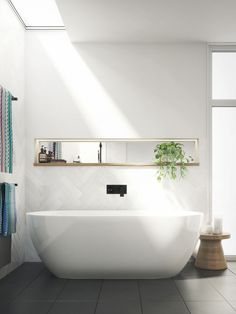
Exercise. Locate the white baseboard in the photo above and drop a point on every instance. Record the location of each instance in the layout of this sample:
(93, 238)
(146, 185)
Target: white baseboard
(230, 258)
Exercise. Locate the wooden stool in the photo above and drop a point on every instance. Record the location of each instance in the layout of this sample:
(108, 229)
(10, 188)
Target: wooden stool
(210, 254)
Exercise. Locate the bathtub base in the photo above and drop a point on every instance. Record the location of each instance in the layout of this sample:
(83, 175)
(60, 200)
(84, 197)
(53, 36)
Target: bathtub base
(114, 244)
(115, 277)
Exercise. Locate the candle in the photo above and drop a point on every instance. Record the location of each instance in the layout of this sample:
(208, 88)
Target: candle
(208, 229)
(218, 225)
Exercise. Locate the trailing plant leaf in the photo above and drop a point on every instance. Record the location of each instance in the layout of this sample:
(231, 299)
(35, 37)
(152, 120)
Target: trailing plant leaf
(171, 160)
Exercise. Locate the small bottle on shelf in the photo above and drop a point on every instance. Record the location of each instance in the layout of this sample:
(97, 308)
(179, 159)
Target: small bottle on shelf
(43, 155)
(50, 156)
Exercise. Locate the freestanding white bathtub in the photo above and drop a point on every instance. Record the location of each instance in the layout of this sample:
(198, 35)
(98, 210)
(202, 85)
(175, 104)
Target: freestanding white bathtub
(114, 243)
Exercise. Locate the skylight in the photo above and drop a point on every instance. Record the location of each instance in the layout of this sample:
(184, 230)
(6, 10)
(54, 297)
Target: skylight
(38, 13)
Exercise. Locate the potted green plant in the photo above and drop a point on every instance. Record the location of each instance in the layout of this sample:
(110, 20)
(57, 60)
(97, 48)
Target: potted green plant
(171, 160)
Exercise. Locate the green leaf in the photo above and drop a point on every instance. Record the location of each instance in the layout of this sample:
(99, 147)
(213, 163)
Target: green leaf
(171, 160)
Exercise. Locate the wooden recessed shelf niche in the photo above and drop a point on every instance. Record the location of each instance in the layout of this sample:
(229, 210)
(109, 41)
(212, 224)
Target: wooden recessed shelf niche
(108, 152)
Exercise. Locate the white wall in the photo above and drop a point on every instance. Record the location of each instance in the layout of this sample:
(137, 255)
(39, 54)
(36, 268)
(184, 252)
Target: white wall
(113, 90)
(12, 37)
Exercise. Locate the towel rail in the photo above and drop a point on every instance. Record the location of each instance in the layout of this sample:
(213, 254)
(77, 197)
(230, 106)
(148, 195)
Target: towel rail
(14, 98)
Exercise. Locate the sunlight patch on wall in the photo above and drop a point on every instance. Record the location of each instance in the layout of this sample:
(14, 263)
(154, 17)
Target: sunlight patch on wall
(98, 109)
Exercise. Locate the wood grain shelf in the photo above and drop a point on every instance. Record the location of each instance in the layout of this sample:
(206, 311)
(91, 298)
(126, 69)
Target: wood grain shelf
(62, 164)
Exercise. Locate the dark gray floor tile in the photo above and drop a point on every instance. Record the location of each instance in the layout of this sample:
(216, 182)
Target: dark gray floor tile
(120, 282)
(190, 271)
(197, 290)
(219, 282)
(217, 273)
(228, 291)
(27, 307)
(119, 297)
(119, 307)
(119, 290)
(24, 273)
(35, 290)
(45, 287)
(232, 265)
(81, 290)
(159, 290)
(10, 291)
(210, 307)
(73, 307)
(164, 307)
(14, 283)
(3, 305)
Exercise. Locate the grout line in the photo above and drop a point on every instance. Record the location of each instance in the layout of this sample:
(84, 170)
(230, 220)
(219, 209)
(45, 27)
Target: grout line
(181, 296)
(233, 271)
(220, 293)
(62, 289)
(99, 295)
(140, 296)
(25, 287)
(56, 298)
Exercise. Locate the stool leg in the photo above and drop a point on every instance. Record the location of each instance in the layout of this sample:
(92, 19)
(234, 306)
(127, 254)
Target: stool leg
(211, 256)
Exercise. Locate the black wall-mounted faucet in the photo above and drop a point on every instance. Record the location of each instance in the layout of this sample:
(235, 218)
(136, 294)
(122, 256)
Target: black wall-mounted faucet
(117, 189)
(100, 153)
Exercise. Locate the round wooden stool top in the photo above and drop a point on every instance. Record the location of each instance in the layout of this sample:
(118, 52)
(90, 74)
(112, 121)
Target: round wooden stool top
(210, 254)
(214, 237)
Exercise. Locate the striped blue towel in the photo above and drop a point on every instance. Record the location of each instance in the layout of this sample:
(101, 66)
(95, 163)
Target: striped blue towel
(6, 136)
(8, 209)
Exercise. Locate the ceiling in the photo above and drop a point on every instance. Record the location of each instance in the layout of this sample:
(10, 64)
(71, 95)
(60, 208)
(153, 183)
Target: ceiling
(149, 20)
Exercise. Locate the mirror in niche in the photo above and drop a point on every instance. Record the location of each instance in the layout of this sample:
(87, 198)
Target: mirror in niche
(104, 152)
(71, 152)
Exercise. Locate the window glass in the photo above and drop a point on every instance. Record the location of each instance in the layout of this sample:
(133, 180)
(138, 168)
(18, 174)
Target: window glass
(224, 75)
(38, 13)
(224, 171)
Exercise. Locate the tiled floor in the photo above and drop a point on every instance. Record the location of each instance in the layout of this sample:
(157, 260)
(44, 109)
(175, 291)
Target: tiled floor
(31, 289)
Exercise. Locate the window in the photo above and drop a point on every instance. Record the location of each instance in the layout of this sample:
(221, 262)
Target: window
(223, 103)
(224, 171)
(35, 13)
(224, 75)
